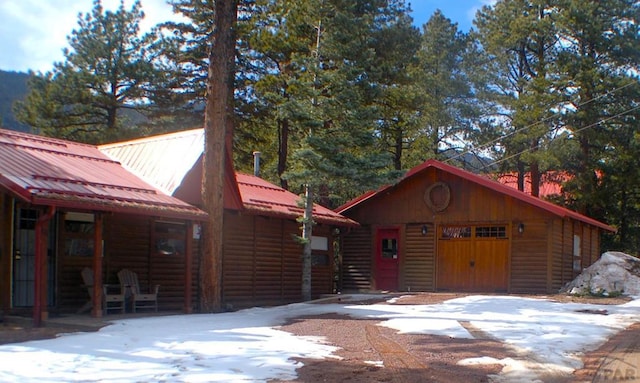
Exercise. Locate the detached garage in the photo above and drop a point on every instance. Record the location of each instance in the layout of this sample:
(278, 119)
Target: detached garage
(441, 228)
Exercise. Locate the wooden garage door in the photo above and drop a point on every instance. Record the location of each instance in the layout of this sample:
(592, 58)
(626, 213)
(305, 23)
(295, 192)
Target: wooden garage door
(473, 258)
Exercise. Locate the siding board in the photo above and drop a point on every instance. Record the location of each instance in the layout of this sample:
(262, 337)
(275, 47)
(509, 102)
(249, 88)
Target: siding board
(529, 259)
(419, 265)
(356, 258)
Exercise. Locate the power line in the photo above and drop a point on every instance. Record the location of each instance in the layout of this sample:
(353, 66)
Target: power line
(488, 144)
(576, 131)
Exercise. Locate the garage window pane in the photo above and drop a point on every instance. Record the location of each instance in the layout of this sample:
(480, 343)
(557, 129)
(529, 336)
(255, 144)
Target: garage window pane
(456, 232)
(491, 232)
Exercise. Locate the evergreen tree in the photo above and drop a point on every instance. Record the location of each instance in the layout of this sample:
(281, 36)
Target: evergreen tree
(397, 92)
(599, 65)
(446, 107)
(341, 154)
(104, 87)
(521, 43)
(277, 88)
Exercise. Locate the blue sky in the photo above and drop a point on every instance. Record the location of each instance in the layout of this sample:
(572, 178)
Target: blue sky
(33, 32)
(459, 11)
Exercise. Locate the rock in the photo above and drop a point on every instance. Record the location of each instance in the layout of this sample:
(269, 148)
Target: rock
(613, 274)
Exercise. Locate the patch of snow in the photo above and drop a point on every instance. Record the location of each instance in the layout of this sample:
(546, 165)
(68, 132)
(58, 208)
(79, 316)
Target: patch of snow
(613, 273)
(375, 363)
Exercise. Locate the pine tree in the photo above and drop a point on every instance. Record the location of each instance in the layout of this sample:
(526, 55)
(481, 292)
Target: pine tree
(397, 94)
(599, 65)
(101, 91)
(342, 155)
(446, 105)
(520, 40)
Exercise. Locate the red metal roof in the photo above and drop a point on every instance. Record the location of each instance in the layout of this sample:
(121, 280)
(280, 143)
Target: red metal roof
(551, 182)
(53, 172)
(483, 181)
(262, 196)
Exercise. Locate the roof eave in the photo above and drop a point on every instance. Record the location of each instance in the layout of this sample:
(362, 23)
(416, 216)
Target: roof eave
(342, 222)
(485, 182)
(15, 189)
(186, 213)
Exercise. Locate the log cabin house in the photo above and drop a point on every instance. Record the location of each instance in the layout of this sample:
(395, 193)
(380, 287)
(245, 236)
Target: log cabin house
(65, 206)
(262, 263)
(441, 228)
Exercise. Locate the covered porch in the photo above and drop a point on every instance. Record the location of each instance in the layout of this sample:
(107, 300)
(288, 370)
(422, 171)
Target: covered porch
(66, 206)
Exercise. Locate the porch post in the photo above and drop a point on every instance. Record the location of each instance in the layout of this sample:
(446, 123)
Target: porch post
(96, 310)
(188, 268)
(40, 292)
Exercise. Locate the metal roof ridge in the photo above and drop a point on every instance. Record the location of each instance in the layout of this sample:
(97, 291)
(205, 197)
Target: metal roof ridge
(274, 187)
(91, 183)
(159, 137)
(57, 152)
(41, 139)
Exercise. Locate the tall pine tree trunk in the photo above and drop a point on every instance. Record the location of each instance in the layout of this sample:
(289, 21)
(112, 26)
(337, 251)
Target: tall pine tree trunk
(283, 150)
(218, 126)
(534, 168)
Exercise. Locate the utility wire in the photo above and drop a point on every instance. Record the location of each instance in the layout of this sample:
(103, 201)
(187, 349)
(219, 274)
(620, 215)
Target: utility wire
(576, 131)
(488, 144)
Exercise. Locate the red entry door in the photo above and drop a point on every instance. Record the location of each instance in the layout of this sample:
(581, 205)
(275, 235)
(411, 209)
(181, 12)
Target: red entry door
(387, 258)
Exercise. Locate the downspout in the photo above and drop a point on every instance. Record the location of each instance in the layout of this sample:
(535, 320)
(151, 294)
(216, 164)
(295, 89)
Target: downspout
(40, 267)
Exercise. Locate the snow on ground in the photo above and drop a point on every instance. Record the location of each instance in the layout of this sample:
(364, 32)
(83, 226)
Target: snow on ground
(247, 346)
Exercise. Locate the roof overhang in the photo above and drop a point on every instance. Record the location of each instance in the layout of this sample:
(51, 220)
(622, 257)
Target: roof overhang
(103, 203)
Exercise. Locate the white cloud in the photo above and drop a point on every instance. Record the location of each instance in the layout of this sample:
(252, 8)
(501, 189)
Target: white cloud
(35, 31)
(471, 13)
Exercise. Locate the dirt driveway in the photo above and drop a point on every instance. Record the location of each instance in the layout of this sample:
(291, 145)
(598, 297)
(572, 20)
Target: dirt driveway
(365, 346)
(412, 358)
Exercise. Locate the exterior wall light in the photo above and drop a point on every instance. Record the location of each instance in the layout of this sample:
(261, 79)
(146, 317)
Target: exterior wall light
(521, 228)
(424, 230)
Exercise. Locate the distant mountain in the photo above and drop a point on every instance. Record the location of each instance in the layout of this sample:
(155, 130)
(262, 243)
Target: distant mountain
(13, 87)
(470, 161)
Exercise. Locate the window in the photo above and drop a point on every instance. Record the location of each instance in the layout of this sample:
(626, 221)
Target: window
(577, 253)
(170, 238)
(456, 232)
(27, 220)
(319, 243)
(491, 232)
(78, 234)
(389, 248)
(319, 259)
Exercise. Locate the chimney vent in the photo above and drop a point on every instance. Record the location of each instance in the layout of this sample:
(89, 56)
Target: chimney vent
(256, 164)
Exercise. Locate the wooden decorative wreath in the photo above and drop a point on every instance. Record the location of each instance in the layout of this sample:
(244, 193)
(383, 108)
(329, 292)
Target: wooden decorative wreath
(437, 196)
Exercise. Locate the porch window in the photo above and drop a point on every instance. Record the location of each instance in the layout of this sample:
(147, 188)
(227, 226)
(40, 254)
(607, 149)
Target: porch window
(170, 238)
(78, 234)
